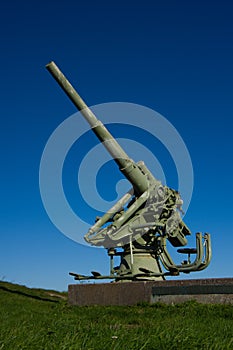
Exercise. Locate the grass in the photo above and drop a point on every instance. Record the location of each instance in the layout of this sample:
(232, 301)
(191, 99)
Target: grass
(40, 319)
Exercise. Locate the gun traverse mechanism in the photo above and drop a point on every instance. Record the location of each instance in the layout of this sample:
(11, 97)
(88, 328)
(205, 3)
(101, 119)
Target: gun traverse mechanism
(138, 226)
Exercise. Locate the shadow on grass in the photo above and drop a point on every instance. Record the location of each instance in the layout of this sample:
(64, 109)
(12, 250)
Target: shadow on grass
(19, 292)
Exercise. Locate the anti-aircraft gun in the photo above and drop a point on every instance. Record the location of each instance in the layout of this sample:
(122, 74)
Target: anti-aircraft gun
(137, 227)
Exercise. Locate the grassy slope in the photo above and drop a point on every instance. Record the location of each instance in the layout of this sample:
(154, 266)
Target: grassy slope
(39, 319)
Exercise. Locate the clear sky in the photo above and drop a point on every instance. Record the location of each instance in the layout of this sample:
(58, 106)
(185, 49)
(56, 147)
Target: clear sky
(174, 57)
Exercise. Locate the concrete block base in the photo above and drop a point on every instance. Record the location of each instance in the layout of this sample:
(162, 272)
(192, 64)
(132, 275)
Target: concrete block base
(215, 290)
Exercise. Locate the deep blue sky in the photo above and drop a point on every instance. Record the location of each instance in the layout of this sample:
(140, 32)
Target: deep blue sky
(172, 56)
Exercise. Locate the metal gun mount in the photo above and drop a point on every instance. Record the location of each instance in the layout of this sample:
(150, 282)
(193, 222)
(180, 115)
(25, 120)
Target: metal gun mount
(137, 227)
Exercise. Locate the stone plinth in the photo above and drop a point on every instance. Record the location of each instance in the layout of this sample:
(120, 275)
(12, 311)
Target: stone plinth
(215, 290)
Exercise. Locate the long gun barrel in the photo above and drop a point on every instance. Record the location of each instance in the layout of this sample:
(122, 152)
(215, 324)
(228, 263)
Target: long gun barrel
(127, 166)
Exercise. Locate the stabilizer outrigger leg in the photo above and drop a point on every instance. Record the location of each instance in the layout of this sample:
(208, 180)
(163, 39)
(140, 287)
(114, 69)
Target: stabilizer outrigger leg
(201, 261)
